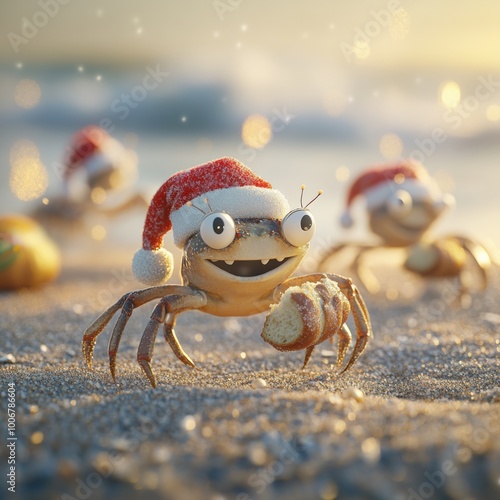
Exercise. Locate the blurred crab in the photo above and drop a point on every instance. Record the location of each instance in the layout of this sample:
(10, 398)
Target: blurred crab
(96, 169)
(403, 203)
(241, 244)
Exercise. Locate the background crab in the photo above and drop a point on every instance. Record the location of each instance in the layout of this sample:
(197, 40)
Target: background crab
(241, 244)
(403, 203)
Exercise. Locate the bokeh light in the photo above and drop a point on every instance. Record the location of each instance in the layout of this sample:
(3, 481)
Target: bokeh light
(37, 437)
(98, 195)
(28, 176)
(342, 173)
(27, 94)
(450, 94)
(493, 112)
(23, 149)
(361, 49)
(392, 294)
(256, 131)
(399, 178)
(399, 25)
(98, 232)
(391, 146)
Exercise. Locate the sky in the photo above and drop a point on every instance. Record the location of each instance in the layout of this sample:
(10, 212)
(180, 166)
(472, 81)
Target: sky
(391, 57)
(457, 34)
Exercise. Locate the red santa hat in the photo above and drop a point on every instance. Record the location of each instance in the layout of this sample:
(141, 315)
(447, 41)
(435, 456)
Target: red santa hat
(94, 150)
(84, 144)
(223, 185)
(379, 183)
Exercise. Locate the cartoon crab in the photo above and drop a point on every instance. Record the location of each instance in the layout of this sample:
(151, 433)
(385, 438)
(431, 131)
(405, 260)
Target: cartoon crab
(241, 243)
(403, 202)
(101, 169)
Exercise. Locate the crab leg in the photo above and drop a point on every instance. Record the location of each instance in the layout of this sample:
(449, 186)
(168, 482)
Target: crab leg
(309, 351)
(168, 307)
(331, 253)
(92, 332)
(127, 303)
(345, 338)
(173, 342)
(362, 273)
(360, 315)
(479, 256)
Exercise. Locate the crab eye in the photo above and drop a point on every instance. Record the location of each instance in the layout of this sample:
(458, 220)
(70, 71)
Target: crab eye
(298, 227)
(217, 230)
(400, 203)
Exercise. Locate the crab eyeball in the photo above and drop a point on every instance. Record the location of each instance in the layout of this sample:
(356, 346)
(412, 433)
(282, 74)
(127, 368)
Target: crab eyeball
(217, 230)
(400, 203)
(298, 227)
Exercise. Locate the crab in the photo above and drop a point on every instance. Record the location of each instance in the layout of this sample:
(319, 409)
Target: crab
(98, 172)
(231, 266)
(403, 203)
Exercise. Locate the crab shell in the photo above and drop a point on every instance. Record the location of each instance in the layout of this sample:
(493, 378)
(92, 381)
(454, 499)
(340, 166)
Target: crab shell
(305, 316)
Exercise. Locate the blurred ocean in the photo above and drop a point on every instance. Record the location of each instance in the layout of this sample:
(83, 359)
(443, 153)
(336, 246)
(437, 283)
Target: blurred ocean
(470, 170)
(187, 122)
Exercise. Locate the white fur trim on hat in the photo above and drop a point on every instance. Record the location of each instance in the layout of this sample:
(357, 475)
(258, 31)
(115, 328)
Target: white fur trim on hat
(152, 267)
(239, 202)
(378, 195)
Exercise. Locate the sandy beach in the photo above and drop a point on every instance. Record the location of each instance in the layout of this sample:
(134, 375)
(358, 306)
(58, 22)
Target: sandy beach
(321, 97)
(417, 417)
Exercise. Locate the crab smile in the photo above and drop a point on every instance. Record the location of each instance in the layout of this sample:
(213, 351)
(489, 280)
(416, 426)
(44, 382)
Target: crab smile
(412, 228)
(248, 268)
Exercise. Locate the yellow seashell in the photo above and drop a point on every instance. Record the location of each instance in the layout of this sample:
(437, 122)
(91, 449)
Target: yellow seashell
(28, 257)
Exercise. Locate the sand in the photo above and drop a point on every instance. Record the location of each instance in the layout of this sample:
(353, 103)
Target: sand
(417, 417)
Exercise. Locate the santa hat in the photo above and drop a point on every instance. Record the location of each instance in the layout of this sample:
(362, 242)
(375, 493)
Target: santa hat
(84, 144)
(223, 185)
(94, 150)
(379, 183)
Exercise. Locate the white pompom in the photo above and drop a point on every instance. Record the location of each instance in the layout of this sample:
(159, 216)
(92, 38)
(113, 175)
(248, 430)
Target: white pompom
(346, 219)
(152, 267)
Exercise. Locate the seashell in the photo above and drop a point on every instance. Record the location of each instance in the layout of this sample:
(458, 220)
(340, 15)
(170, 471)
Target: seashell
(28, 257)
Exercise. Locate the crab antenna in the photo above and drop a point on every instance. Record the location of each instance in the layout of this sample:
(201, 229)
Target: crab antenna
(302, 195)
(207, 202)
(191, 204)
(320, 192)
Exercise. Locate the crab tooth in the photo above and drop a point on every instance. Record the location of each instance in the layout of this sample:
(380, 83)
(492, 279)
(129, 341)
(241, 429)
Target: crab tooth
(280, 259)
(229, 262)
(264, 261)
